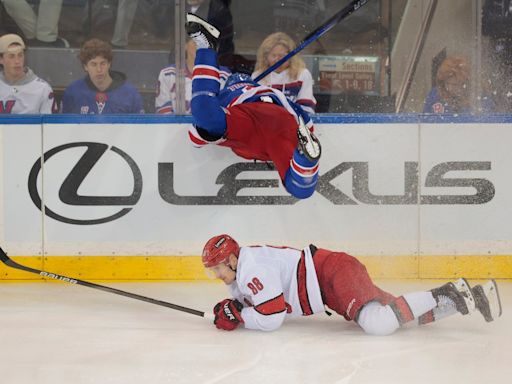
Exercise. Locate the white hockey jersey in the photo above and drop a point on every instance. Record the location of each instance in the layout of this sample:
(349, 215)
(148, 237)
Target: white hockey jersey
(274, 283)
(299, 90)
(30, 95)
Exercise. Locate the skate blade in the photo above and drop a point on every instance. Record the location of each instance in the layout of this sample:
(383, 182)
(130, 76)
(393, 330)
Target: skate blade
(191, 18)
(493, 296)
(311, 147)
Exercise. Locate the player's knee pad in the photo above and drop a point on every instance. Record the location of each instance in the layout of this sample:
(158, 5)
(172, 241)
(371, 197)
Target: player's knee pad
(302, 176)
(377, 319)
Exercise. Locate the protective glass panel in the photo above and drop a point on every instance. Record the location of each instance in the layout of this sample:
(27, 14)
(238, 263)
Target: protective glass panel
(384, 57)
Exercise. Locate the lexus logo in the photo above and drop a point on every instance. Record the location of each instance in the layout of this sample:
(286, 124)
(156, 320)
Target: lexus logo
(68, 192)
(63, 185)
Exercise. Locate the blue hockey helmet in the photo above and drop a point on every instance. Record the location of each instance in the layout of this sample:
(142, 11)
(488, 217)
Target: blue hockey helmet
(236, 78)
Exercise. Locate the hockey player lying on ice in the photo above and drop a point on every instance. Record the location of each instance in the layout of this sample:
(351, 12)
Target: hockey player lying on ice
(269, 284)
(255, 121)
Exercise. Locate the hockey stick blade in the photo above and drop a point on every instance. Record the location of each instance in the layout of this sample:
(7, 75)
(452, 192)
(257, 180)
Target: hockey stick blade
(11, 263)
(315, 35)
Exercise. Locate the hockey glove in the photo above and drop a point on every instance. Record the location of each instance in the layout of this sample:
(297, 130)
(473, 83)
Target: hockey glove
(227, 314)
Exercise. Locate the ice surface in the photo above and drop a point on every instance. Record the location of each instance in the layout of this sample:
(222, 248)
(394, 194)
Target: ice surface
(60, 333)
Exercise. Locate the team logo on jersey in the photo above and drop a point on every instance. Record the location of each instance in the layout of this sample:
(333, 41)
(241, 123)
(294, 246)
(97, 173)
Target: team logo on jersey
(7, 106)
(101, 101)
(438, 108)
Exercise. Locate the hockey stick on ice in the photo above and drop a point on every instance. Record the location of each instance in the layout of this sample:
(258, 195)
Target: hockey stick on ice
(11, 263)
(316, 34)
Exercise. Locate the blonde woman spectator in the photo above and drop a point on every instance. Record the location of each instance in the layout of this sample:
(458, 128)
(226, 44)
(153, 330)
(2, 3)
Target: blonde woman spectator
(292, 77)
(21, 91)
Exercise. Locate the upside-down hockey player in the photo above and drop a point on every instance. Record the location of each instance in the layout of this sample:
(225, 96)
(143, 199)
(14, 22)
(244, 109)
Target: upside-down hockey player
(255, 121)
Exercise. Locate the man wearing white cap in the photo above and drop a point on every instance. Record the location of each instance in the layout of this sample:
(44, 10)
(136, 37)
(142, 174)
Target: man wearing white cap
(21, 91)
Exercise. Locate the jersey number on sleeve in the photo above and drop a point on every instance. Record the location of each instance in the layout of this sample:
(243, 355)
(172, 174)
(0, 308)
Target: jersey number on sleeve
(255, 286)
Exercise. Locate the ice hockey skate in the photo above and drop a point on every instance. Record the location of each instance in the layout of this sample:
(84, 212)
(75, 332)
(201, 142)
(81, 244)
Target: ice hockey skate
(487, 300)
(203, 33)
(308, 143)
(459, 293)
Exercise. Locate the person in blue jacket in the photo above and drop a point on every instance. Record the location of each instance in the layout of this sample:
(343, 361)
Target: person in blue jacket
(102, 91)
(452, 91)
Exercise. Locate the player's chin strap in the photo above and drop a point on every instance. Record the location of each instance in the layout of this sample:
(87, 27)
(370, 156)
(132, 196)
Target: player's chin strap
(230, 267)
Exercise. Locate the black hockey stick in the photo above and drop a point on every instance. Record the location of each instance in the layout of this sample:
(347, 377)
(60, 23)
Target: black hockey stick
(316, 34)
(11, 263)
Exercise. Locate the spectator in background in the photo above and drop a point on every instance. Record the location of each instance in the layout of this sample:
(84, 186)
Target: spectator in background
(124, 20)
(21, 91)
(165, 102)
(40, 29)
(105, 11)
(452, 91)
(298, 17)
(292, 78)
(217, 13)
(102, 91)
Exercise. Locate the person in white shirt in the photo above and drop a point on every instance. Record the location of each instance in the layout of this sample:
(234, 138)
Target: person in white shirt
(292, 77)
(269, 284)
(21, 91)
